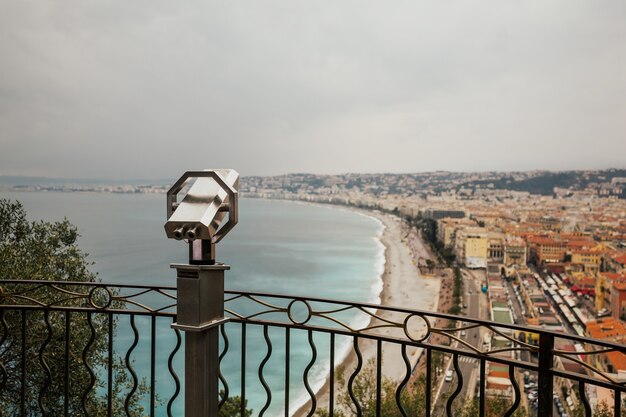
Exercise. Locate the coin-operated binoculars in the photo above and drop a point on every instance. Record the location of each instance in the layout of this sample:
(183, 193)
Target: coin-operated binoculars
(198, 217)
(207, 212)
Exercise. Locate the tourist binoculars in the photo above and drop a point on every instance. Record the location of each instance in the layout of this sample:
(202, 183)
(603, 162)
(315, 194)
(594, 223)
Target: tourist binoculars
(207, 212)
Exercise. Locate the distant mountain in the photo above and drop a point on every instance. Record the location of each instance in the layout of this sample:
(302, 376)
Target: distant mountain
(544, 182)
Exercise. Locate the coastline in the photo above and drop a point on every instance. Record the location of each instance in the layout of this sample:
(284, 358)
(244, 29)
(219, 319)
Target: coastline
(402, 286)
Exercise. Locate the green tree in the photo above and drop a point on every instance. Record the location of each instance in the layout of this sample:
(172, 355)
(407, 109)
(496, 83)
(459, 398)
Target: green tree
(412, 398)
(48, 251)
(494, 407)
(602, 409)
(232, 407)
(430, 264)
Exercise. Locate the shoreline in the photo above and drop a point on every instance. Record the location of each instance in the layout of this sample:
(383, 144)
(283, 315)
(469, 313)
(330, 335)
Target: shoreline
(402, 286)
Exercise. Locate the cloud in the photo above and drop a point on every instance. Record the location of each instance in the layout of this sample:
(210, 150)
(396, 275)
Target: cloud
(149, 89)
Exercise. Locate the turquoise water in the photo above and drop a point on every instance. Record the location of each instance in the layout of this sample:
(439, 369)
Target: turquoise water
(277, 247)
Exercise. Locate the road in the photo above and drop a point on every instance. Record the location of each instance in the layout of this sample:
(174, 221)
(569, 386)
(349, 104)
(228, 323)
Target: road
(520, 318)
(468, 366)
(476, 308)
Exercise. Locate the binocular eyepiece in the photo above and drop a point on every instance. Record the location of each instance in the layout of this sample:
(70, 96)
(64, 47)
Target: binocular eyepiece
(190, 233)
(199, 217)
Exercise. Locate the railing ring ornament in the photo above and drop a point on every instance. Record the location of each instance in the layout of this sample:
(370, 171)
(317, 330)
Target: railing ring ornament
(405, 327)
(291, 312)
(97, 292)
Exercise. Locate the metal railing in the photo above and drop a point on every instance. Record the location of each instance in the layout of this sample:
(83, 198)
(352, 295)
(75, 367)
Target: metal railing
(69, 348)
(94, 349)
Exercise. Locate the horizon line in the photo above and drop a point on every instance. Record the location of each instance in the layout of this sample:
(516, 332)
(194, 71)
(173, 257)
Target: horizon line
(5, 176)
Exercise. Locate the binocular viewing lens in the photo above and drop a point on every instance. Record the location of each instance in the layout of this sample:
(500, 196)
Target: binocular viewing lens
(182, 232)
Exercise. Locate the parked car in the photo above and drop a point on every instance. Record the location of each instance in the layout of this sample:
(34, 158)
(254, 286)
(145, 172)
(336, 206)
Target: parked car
(530, 386)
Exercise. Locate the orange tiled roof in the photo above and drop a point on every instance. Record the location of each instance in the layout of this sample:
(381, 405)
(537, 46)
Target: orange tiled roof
(619, 285)
(545, 241)
(498, 374)
(500, 387)
(620, 259)
(581, 243)
(608, 328)
(612, 275)
(618, 360)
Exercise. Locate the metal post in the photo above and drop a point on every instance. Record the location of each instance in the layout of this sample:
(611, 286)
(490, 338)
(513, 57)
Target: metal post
(546, 384)
(200, 311)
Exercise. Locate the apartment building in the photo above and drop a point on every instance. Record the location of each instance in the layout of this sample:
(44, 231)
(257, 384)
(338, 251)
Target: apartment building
(447, 228)
(515, 252)
(610, 329)
(547, 249)
(471, 246)
(589, 260)
(495, 248)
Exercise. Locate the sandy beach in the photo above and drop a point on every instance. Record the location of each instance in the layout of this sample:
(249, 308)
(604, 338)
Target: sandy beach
(403, 286)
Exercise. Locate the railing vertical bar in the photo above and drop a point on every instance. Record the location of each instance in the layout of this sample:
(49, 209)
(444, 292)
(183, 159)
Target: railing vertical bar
(44, 364)
(129, 366)
(405, 380)
(331, 394)
(287, 370)
(546, 384)
(3, 371)
(583, 398)
(617, 407)
(66, 382)
(242, 408)
(518, 395)
(359, 364)
(170, 366)
(221, 375)
(110, 368)
(85, 359)
(305, 377)
(268, 355)
(379, 365)
(481, 387)
(23, 367)
(459, 385)
(429, 363)
(152, 365)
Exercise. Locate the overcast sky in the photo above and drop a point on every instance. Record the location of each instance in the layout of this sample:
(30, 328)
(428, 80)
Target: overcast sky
(149, 89)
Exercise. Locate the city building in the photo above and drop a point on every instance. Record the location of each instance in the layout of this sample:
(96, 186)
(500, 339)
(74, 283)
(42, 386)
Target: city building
(495, 248)
(617, 294)
(440, 214)
(547, 249)
(589, 260)
(610, 329)
(515, 252)
(471, 246)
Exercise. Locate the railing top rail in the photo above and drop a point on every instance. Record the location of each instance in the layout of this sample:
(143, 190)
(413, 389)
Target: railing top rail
(86, 284)
(88, 296)
(587, 340)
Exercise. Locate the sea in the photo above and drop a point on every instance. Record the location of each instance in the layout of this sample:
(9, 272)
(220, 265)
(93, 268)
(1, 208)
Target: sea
(277, 247)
